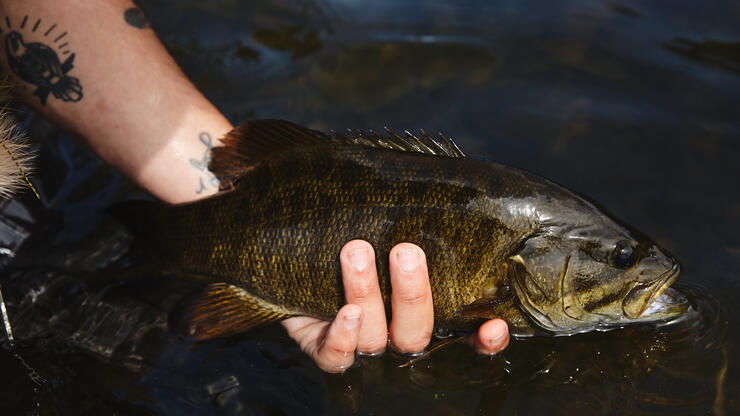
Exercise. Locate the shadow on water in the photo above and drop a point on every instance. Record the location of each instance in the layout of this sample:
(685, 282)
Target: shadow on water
(617, 100)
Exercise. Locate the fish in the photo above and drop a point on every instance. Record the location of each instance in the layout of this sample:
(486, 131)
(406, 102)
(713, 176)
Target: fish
(500, 242)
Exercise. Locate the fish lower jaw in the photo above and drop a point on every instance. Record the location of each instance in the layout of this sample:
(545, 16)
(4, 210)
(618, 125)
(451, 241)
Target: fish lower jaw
(669, 307)
(668, 303)
(659, 299)
(641, 297)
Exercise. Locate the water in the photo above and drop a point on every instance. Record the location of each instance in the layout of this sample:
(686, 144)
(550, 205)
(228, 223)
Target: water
(636, 104)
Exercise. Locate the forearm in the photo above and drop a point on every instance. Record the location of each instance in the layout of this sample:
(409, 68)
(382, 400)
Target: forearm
(107, 79)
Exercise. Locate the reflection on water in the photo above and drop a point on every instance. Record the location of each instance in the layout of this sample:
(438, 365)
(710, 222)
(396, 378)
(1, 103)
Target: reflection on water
(121, 323)
(681, 368)
(294, 39)
(634, 104)
(725, 55)
(624, 10)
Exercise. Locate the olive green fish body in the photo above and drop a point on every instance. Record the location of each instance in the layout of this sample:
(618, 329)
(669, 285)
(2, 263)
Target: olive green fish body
(500, 242)
(279, 233)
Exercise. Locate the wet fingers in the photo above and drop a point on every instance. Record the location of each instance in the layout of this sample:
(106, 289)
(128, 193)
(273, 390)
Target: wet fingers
(492, 337)
(337, 351)
(411, 299)
(360, 280)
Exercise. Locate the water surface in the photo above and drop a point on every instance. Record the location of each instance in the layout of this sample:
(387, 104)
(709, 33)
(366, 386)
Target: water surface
(635, 104)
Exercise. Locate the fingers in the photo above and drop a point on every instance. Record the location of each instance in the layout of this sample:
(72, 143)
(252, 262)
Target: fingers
(360, 279)
(331, 346)
(492, 337)
(361, 324)
(411, 299)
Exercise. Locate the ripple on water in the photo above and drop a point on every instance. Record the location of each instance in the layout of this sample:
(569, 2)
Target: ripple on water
(679, 368)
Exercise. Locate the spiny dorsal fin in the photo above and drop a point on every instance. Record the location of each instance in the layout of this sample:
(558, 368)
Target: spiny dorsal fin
(409, 143)
(245, 146)
(223, 309)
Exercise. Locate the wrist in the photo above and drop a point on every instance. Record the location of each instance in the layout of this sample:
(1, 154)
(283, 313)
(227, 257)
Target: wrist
(176, 171)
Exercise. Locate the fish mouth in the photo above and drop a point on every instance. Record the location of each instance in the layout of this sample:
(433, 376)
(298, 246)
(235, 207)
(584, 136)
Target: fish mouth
(661, 302)
(670, 303)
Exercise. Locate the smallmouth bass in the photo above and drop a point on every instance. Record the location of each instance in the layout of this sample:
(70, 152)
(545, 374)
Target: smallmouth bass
(500, 242)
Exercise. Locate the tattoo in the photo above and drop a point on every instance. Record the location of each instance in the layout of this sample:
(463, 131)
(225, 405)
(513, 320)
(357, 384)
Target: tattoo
(135, 17)
(39, 64)
(210, 181)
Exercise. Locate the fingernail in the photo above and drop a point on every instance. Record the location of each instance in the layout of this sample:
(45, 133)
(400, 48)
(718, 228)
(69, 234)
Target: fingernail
(408, 259)
(351, 320)
(359, 259)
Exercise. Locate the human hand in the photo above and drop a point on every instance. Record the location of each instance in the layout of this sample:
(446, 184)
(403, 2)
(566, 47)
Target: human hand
(361, 324)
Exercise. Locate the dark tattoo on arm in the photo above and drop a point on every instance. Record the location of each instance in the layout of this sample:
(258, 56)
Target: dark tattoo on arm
(207, 179)
(135, 17)
(39, 64)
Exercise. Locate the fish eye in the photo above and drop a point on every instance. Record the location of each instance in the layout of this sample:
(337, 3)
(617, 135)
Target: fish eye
(623, 255)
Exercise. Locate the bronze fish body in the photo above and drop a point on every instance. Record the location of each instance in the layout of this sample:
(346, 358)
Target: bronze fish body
(499, 241)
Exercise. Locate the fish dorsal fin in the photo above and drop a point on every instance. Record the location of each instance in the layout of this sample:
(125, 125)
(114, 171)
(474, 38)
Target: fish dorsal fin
(246, 145)
(409, 142)
(249, 143)
(222, 309)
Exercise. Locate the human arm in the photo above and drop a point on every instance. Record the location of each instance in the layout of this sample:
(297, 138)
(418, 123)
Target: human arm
(107, 79)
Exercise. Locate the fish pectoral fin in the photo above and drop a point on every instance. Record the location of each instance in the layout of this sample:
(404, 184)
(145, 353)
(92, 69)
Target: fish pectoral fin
(221, 310)
(503, 305)
(481, 308)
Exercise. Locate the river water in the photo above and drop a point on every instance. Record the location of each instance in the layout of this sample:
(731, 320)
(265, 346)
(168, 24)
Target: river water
(635, 104)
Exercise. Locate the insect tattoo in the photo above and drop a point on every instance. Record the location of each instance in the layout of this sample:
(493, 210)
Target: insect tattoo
(39, 61)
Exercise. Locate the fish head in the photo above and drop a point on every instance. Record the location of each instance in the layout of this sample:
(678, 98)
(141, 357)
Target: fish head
(572, 279)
